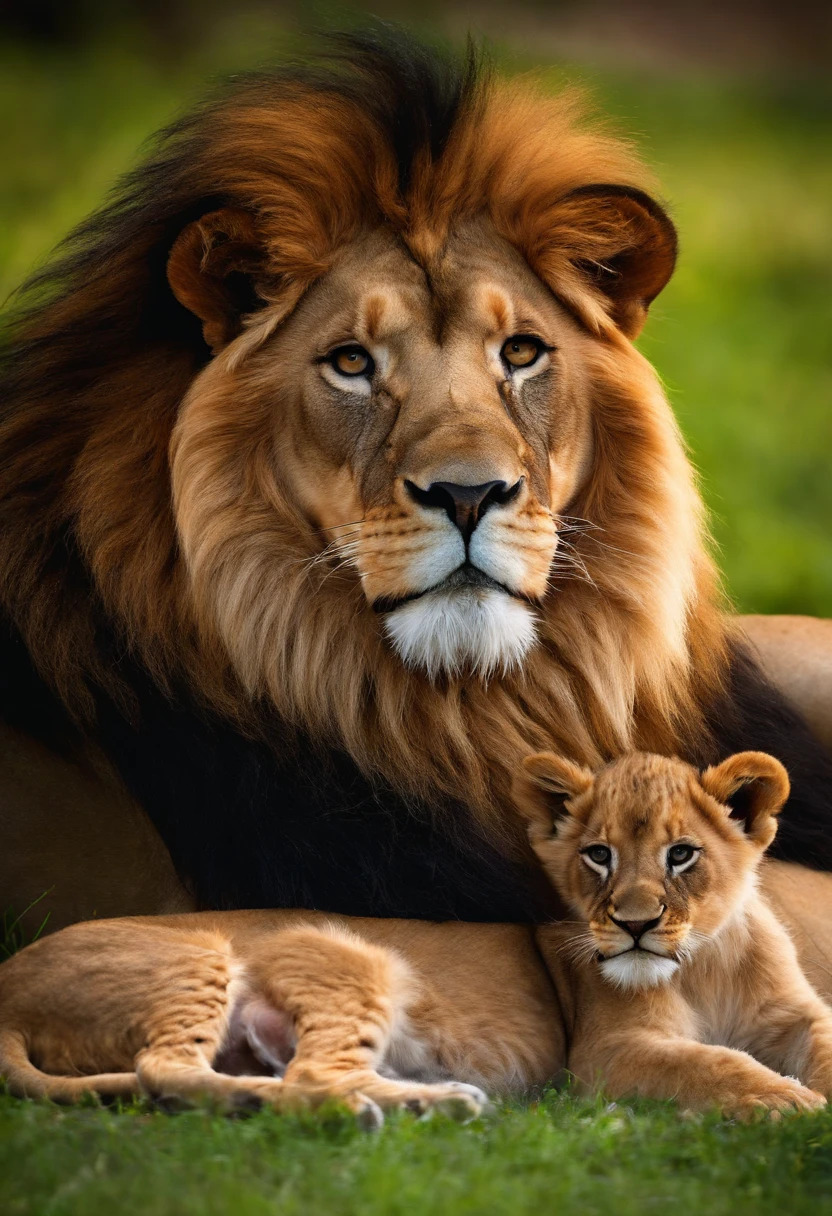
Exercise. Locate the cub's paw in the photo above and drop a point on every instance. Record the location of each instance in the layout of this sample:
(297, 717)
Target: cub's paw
(789, 1097)
(455, 1099)
(368, 1114)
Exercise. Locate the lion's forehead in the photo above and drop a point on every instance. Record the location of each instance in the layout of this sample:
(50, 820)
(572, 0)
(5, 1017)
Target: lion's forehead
(379, 288)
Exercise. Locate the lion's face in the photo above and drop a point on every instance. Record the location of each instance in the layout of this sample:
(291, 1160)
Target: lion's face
(421, 363)
(653, 856)
(432, 425)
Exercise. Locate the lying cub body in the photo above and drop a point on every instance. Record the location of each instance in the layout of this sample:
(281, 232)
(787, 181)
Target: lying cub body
(281, 1007)
(677, 981)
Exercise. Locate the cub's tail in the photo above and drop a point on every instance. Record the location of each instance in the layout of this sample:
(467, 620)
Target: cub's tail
(27, 1081)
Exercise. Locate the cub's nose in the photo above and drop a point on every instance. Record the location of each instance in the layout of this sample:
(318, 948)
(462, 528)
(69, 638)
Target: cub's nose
(464, 505)
(637, 928)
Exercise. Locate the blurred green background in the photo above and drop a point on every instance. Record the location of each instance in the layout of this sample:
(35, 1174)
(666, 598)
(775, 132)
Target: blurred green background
(732, 104)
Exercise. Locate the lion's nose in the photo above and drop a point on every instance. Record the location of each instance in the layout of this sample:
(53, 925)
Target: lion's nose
(464, 505)
(637, 928)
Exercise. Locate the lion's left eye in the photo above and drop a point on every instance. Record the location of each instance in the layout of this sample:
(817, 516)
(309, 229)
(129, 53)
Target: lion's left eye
(351, 361)
(680, 854)
(521, 351)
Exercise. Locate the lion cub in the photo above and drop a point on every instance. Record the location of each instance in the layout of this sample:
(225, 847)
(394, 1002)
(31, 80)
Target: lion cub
(677, 980)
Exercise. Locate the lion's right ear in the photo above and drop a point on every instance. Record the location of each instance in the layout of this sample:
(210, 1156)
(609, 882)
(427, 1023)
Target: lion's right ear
(213, 269)
(542, 788)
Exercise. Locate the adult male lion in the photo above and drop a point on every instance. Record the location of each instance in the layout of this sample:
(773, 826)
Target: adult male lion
(332, 484)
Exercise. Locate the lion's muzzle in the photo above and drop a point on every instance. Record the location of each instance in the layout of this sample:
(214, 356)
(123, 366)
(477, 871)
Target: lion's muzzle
(457, 571)
(465, 505)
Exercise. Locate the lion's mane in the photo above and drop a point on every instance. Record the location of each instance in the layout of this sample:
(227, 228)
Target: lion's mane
(634, 646)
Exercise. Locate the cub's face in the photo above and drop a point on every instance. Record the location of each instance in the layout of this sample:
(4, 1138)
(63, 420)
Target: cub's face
(656, 858)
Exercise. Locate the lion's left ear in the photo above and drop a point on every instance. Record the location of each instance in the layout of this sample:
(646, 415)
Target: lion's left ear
(621, 246)
(213, 270)
(754, 787)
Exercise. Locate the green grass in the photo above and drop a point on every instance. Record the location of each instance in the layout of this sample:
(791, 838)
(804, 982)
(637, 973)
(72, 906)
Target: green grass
(556, 1155)
(742, 339)
(13, 932)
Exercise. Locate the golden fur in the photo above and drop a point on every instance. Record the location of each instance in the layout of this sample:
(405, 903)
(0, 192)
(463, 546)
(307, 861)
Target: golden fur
(255, 583)
(58, 820)
(676, 980)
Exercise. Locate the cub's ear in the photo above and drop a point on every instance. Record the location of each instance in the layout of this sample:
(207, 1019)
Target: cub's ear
(621, 248)
(542, 788)
(754, 787)
(213, 269)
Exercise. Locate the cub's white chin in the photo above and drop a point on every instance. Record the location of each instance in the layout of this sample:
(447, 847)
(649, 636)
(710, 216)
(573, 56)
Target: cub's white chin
(635, 969)
(475, 629)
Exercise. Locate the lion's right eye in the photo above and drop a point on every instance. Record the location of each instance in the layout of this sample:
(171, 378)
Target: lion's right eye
(351, 361)
(598, 855)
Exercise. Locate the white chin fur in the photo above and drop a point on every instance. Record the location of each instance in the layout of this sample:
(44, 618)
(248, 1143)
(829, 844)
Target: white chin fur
(635, 969)
(475, 629)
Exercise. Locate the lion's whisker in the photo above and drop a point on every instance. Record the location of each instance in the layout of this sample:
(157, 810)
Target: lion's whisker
(334, 547)
(566, 564)
(355, 523)
(586, 526)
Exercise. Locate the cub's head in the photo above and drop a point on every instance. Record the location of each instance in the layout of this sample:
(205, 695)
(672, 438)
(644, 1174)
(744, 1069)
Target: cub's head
(655, 856)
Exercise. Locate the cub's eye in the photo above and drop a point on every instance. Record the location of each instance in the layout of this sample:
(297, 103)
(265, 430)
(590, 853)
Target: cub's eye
(351, 361)
(680, 854)
(598, 854)
(521, 351)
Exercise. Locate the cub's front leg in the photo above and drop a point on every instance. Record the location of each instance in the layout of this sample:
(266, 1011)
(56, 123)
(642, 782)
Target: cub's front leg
(696, 1075)
(804, 1048)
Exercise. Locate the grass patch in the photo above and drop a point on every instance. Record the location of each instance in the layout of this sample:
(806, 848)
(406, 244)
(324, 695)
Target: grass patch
(558, 1154)
(13, 935)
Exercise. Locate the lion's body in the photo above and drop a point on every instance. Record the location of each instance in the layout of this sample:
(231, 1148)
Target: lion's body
(676, 978)
(236, 598)
(796, 654)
